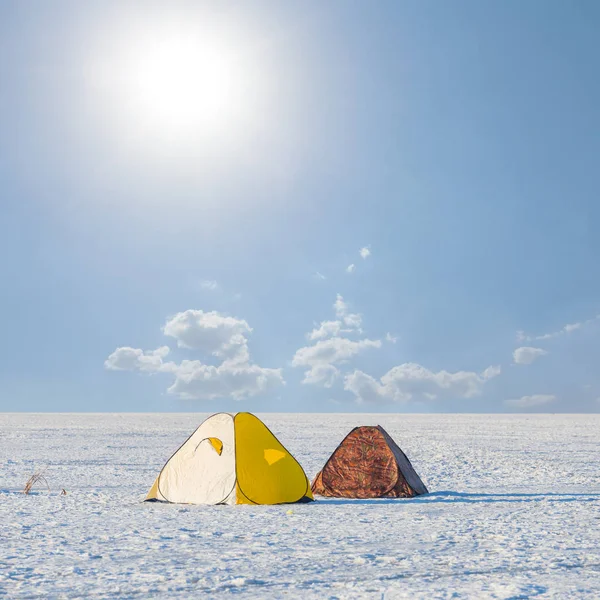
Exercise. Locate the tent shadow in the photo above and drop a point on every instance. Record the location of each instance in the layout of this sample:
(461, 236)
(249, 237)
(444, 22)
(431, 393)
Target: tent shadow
(449, 497)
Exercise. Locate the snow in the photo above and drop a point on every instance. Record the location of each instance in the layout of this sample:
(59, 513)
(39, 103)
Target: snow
(514, 513)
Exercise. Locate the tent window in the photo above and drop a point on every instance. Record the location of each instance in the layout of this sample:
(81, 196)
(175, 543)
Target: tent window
(272, 455)
(217, 444)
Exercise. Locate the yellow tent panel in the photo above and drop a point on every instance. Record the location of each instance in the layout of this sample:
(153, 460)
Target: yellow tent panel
(266, 472)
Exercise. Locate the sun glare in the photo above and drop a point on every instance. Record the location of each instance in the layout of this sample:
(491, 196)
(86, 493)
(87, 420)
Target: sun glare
(177, 83)
(180, 84)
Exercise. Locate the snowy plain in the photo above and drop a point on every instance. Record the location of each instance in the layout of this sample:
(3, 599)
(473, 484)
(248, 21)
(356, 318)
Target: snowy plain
(514, 512)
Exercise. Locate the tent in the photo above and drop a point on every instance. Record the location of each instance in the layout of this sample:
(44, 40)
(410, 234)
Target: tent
(231, 460)
(368, 464)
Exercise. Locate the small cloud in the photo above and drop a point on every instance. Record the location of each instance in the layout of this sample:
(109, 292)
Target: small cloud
(210, 285)
(525, 355)
(491, 372)
(340, 306)
(530, 401)
(365, 252)
(320, 276)
(350, 268)
(132, 359)
(326, 329)
(566, 330)
(352, 320)
(390, 338)
(211, 332)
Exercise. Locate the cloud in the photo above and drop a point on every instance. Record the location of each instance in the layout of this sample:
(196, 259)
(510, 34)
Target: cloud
(491, 372)
(330, 347)
(365, 252)
(324, 375)
(332, 351)
(346, 323)
(326, 329)
(209, 285)
(130, 359)
(350, 268)
(320, 276)
(530, 401)
(567, 329)
(411, 381)
(390, 338)
(525, 355)
(340, 307)
(352, 320)
(210, 333)
(197, 381)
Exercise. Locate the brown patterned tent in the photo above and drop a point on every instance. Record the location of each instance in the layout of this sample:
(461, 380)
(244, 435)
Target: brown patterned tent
(368, 464)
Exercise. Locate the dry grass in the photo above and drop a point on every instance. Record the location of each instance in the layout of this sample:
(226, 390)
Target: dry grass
(36, 478)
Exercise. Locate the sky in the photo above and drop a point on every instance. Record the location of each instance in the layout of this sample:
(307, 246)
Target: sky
(300, 206)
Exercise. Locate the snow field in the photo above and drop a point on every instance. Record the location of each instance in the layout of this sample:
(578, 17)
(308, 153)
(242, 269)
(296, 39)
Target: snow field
(514, 513)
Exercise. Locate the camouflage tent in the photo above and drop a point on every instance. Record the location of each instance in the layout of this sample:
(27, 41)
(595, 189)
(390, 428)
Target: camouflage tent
(368, 464)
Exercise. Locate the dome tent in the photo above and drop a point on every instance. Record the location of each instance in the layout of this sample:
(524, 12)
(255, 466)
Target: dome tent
(368, 464)
(231, 459)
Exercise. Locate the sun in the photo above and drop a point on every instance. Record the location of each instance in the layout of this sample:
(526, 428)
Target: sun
(182, 83)
(177, 82)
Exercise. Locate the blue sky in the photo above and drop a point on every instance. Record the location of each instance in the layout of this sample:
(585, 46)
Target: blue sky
(178, 218)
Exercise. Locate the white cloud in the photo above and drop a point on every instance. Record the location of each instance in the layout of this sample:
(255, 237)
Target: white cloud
(208, 332)
(365, 252)
(350, 268)
(352, 320)
(130, 359)
(322, 356)
(209, 285)
(525, 355)
(330, 347)
(412, 381)
(347, 322)
(326, 329)
(331, 351)
(390, 338)
(211, 333)
(530, 401)
(340, 307)
(491, 372)
(567, 329)
(324, 375)
(320, 276)
(197, 381)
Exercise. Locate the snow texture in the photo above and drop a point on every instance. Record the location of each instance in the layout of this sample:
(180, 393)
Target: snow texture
(514, 513)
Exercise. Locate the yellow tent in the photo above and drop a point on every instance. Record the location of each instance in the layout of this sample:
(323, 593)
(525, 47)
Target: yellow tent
(231, 460)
